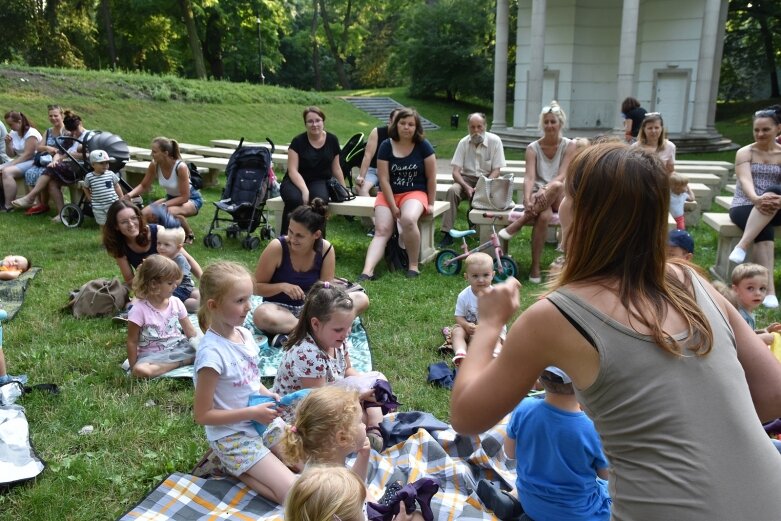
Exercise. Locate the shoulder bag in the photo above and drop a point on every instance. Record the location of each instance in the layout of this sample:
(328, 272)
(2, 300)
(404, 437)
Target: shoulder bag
(494, 194)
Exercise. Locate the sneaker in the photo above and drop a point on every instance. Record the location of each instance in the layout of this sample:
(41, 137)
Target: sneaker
(278, 340)
(504, 234)
(446, 241)
(370, 233)
(120, 318)
(364, 277)
(738, 255)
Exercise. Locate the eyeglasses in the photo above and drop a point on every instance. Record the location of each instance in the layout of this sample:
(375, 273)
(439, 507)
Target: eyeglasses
(547, 109)
(313, 121)
(765, 113)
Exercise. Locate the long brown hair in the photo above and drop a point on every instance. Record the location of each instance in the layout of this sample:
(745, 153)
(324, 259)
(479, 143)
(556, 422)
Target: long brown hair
(405, 112)
(650, 117)
(322, 300)
(620, 201)
(113, 239)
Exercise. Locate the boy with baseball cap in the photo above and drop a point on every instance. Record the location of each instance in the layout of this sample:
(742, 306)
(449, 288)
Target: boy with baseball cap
(680, 245)
(101, 185)
(561, 469)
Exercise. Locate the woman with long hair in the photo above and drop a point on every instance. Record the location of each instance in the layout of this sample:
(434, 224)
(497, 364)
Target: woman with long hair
(674, 379)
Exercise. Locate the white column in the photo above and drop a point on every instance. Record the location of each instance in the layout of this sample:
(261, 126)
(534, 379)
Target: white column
(536, 63)
(705, 64)
(500, 65)
(625, 83)
(714, 93)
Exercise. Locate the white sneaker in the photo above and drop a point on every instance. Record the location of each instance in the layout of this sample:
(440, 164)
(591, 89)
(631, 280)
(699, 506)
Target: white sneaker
(738, 255)
(504, 234)
(770, 301)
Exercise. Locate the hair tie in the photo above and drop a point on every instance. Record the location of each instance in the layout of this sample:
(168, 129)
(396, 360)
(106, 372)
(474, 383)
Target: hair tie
(327, 285)
(293, 429)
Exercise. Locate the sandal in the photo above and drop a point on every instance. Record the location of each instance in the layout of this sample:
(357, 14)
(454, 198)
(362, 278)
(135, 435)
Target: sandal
(458, 359)
(375, 438)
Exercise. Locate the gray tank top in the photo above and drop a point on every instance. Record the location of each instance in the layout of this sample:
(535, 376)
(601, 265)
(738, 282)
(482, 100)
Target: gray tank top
(681, 434)
(547, 169)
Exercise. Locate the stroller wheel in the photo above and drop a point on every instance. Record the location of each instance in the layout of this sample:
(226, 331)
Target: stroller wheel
(71, 216)
(265, 233)
(212, 240)
(251, 243)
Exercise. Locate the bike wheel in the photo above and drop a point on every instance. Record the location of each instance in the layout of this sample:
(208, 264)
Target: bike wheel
(446, 263)
(504, 269)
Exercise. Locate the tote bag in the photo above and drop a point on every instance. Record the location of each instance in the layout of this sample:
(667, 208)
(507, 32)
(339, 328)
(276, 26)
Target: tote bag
(494, 194)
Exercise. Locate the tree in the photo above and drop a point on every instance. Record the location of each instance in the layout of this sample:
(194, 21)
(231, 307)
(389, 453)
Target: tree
(186, 8)
(751, 51)
(446, 47)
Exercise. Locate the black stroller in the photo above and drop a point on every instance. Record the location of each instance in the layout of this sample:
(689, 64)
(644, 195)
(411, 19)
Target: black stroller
(72, 214)
(244, 198)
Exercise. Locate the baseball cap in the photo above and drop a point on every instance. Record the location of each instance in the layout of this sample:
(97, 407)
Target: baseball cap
(681, 239)
(558, 372)
(99, 156)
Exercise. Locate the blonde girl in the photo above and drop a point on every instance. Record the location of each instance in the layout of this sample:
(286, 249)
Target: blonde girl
(158, 330)
(330, 494)
(680, 193)
(328, 427)
(226, 374)
(318, 351)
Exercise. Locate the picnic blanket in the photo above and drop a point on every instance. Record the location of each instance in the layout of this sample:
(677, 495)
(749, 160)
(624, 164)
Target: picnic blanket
(12, 291)
(270, 357)
(456, 462)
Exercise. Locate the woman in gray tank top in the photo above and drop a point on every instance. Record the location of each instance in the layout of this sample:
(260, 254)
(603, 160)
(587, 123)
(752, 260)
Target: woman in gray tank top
(673, 378)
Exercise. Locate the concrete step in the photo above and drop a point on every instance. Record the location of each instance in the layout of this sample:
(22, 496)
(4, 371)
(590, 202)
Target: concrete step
(380, 107)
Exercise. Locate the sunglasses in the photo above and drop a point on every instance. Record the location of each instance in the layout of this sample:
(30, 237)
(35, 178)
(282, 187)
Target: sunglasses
(652, 115)
(765, 113)
(547, 109)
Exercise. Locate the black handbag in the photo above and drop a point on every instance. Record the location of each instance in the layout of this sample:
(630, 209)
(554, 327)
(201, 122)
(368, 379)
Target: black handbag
(337, 193)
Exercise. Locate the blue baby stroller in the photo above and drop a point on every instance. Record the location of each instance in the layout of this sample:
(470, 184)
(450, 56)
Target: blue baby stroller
(247, 189)
(72, 215)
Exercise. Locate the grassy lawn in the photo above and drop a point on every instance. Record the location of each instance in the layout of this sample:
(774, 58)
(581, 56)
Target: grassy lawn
(144, 430)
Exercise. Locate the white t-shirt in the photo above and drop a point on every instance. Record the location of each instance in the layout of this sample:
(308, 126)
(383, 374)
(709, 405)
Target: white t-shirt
(677, 203)
(237, 365)
(466, 307)
(17, 142)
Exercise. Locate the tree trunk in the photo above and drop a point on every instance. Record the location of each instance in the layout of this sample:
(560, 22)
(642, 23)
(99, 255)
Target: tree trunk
(192, 34)
(334, 49)
(105, 13)
(315, 50)
(767, 41)
(212, 46)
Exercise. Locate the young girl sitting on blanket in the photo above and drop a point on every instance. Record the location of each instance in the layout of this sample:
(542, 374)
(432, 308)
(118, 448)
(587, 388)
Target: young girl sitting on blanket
(328, 428)
(318, 352)
(328, 494)
(158, 330)
(226, 375)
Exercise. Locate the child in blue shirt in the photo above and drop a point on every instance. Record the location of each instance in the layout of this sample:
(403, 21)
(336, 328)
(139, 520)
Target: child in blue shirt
(561, 469)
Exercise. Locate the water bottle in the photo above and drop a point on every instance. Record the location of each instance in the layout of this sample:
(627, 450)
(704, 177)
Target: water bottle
(3, 316)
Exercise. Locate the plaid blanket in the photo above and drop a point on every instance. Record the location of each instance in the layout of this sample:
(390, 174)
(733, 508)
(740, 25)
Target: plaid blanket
(456, 462)
(270, 357)
(12, 291)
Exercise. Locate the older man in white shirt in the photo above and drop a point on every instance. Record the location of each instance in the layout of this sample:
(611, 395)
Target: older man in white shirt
(478, 154)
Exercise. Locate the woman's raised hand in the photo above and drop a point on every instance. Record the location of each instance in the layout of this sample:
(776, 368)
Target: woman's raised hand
(498, 303)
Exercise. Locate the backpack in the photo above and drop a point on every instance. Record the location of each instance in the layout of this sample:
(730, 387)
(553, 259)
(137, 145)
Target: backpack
(396, 256)
(195, 176)
(99, 297)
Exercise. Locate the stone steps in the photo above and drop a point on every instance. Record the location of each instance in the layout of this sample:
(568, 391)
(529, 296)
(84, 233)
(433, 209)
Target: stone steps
(380, 107)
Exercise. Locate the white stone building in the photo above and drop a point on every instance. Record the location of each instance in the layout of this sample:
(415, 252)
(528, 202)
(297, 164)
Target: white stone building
(591, 54)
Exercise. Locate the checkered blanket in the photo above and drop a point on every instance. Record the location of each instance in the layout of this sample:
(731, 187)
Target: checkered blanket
(12, 292)
(456, 462)
(270, 357)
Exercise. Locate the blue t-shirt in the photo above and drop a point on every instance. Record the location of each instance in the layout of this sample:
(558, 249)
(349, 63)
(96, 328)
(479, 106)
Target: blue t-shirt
(558, 453)
(407, 174)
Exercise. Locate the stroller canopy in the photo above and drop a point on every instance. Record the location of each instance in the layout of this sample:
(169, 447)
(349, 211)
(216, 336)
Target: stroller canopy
(112, 144)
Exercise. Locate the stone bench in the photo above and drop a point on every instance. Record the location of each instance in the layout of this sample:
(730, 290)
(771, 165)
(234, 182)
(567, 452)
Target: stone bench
(234, 144)
(729, 235)
(363, 206)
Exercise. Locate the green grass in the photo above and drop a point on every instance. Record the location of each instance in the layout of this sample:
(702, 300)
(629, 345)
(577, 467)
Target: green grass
(144, 430)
